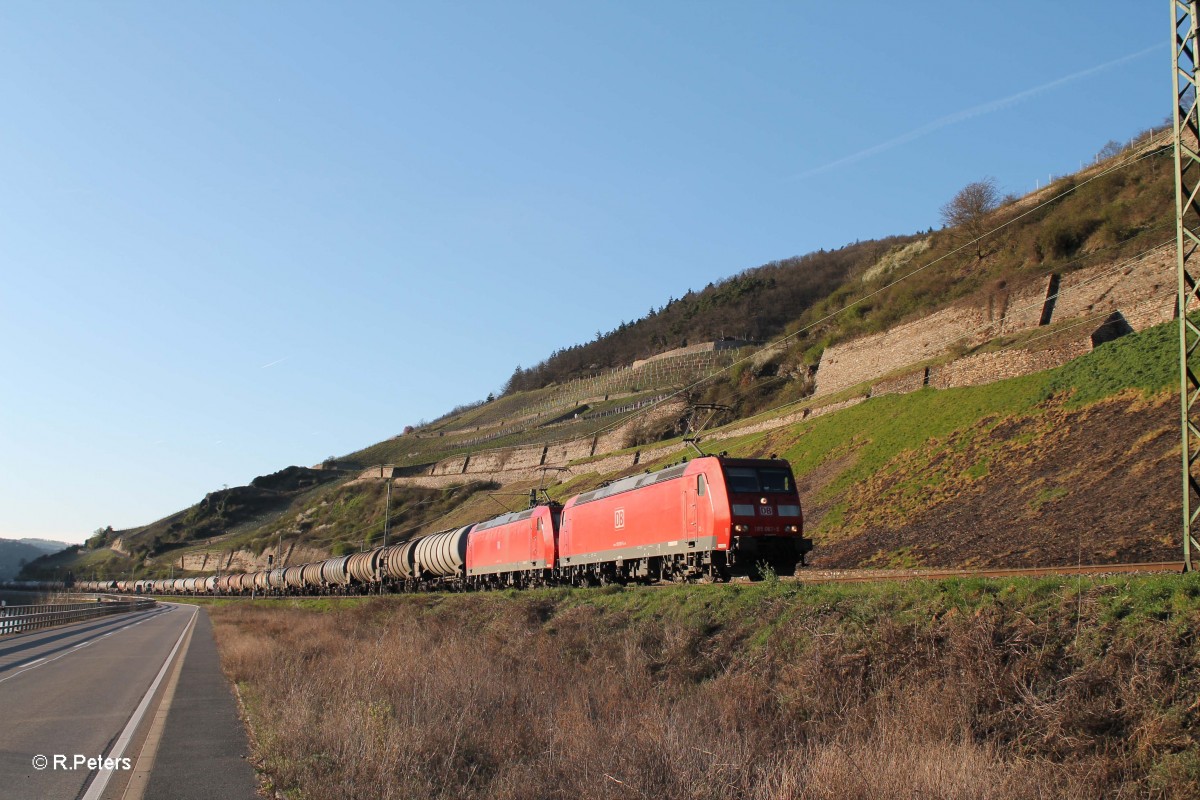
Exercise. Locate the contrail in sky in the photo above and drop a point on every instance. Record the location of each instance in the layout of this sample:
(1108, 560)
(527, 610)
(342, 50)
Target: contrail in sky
(273, 363)
(973, 111)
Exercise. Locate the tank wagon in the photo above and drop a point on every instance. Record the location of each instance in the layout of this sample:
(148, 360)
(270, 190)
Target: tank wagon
(710, 518)
(364, 567)
(439, 560)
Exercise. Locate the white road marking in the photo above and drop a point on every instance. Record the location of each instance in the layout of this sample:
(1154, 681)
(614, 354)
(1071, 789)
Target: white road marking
(31, 665)
(28, 668)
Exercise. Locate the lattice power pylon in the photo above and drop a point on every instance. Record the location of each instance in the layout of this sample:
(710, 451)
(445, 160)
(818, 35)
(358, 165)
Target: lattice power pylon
(1187, 229)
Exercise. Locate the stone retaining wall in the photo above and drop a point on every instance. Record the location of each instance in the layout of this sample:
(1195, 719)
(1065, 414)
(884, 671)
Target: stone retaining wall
(902, 384)
(246, 560)
(1140, 290)
(860, 360)
(991, 367)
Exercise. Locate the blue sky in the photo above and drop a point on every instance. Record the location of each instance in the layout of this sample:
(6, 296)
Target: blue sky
(237, 236)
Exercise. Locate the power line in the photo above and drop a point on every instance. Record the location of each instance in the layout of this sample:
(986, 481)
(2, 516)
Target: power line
(1140, 154)
(622, 419)
(771, 345)
(1055, 332)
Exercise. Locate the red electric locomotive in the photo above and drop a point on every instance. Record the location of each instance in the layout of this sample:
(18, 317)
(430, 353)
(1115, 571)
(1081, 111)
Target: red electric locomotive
(712, 516)
(516, 549)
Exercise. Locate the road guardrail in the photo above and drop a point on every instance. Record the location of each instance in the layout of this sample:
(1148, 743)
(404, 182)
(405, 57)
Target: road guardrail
(16, 619)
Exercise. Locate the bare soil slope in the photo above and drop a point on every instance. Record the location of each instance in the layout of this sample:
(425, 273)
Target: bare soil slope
(1094, 485)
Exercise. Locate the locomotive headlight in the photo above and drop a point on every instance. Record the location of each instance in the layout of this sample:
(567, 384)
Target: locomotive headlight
(793, 528)
(741, 528)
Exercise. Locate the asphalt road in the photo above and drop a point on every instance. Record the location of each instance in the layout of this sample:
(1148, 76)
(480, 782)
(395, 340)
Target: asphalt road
(73, 691)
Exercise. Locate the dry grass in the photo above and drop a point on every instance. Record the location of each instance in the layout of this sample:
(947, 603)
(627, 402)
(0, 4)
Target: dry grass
(588, 696)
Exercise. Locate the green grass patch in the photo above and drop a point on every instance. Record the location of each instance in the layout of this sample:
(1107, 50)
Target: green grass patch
(1129, 600)
(1147, 361)
(1047, 495)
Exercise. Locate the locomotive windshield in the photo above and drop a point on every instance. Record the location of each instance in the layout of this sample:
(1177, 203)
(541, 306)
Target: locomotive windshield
(757, 481)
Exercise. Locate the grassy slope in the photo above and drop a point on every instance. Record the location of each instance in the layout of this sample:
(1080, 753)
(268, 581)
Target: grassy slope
(1075, 688)
(880, 430)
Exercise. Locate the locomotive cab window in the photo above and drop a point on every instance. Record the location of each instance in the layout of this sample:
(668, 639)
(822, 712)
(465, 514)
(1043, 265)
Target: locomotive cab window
(775, 480)
(748, 480)
(742, 479)
(701, 485)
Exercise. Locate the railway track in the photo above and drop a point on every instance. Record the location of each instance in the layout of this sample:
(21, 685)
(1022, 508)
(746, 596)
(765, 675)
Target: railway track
(869, 575)
(815, 576)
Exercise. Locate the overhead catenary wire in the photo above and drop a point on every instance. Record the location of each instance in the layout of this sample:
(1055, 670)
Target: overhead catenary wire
(1090, 319)
(413, 528)
(462, 448)
(1150, 149)
(1132, 262)
(833, 314)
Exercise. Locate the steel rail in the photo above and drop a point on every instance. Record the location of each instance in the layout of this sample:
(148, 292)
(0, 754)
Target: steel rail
(872, 575)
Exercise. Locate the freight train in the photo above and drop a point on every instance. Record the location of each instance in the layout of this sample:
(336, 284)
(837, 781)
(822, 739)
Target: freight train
(710, 518)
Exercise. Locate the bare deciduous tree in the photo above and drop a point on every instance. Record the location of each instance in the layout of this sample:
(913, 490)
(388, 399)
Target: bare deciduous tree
(968, 210)
(1113, 148)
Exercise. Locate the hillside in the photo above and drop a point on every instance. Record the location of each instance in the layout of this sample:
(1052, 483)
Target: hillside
(973, 358)
(1070, 233)
(16, 553)
(1069, 465)
(1110, 211)
(1078, 463)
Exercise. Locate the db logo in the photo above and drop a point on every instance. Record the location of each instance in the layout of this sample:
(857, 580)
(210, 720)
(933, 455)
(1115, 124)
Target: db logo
(619, 518)
(766, 511)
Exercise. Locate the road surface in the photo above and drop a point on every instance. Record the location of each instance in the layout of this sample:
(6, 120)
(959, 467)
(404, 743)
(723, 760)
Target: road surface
(142, 690)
